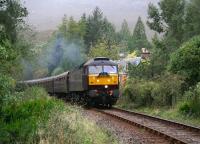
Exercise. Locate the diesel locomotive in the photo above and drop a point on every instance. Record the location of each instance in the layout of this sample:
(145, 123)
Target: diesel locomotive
(95, 82)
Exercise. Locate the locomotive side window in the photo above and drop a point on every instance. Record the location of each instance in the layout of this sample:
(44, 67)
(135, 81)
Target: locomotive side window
(110, 69)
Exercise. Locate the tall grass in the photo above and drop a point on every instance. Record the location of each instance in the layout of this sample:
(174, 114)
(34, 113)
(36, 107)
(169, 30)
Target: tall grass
(70, 127)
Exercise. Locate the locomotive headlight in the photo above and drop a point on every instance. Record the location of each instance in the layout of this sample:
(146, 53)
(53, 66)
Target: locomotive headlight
(106, 86)
(97, 80)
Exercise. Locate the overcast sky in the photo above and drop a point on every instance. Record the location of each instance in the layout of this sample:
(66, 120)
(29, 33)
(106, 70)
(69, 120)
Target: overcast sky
(47, 14)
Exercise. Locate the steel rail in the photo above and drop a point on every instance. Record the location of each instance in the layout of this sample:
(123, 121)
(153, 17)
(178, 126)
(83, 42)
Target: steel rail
(172, 139)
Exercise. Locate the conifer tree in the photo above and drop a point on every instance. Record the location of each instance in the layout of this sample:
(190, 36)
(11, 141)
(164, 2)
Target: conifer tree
(139, 37)
(94, 28)
(124, 32)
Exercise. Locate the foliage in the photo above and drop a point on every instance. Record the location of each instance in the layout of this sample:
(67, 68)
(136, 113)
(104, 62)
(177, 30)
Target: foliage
(192, 18)
(159, 56)
(141, 71)
(191, 104)
(12, 47)
(139, 38)
(101, 49)
(163, 91)
(6, 88)
(7, 55)
(23, 108)
(168, 18)
(97, 28)
(185, 60)
(124, 31)
(11, 16)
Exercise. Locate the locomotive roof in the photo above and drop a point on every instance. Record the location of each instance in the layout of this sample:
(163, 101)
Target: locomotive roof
(100, 61)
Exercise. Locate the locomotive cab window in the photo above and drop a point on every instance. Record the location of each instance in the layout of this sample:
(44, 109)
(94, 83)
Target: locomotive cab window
(100, 69)
(110, 69)
(95, 69)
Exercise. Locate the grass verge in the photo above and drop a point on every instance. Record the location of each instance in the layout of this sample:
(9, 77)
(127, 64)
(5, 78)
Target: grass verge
(166, 113)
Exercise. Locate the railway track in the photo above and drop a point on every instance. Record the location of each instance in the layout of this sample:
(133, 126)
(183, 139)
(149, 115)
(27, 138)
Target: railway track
(172, 131)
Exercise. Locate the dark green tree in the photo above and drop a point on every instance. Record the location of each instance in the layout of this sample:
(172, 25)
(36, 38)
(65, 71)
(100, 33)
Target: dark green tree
(168, 18)
(124, 31)
(63, 26)
(11, 16)
(139, 38)
(124, 36)
(97, 28)
(94, 28)
(108, 34)
(12, 42)
(192, 19)
(159, 57)
(82, 25)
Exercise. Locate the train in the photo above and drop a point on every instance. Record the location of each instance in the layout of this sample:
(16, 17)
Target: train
(95, 82)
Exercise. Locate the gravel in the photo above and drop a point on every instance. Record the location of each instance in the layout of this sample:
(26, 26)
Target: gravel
(125, 133)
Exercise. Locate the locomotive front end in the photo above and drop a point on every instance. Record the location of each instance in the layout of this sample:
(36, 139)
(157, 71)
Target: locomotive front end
(103, 82)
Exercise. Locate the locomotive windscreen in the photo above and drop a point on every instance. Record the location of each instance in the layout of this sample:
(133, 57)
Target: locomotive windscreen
(101, 69)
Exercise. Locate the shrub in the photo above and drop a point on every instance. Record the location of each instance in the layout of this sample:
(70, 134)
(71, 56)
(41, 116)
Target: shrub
(139, 92)
(20, 118)
(140, 71)
(185, 60)
(162, 91)
(168, 90)
(191, 104)
(6, 89)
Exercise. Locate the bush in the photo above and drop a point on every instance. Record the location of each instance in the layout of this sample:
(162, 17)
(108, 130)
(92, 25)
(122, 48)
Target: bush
(168, 90)
(32, 93)
(162, 91)
(20, 121)
(7, 85)
(143, 70)
(20, 118)
(139, 92)
(186, 60)
(191, 104)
